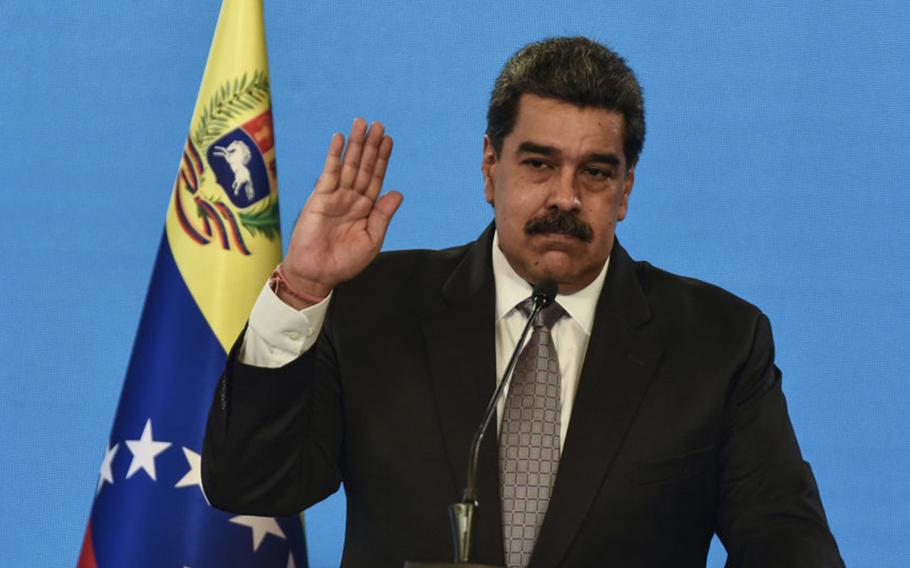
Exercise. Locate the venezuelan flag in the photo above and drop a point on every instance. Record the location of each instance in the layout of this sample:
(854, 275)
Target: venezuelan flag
(221, 240)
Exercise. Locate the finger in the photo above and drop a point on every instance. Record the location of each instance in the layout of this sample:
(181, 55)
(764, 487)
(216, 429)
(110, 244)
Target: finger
(382, 212)
(352, 154)
(331, 171)
(368, 160)
(382, 162)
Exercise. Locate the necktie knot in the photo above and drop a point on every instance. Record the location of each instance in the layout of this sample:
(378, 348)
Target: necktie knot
(546, 317)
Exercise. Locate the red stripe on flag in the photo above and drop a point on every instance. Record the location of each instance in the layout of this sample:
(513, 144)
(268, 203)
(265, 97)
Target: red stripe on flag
(87, 556)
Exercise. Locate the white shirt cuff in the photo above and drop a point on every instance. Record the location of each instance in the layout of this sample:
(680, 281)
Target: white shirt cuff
(277, 333)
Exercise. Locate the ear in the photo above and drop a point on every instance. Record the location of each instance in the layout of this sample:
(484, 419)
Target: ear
(488, 167)
(626, 192)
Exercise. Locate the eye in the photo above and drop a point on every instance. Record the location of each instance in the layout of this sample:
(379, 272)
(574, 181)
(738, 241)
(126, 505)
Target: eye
(598, 173)
(536, 163)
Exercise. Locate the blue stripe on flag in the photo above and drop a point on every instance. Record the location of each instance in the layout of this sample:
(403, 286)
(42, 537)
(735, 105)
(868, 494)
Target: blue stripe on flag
(141, 522)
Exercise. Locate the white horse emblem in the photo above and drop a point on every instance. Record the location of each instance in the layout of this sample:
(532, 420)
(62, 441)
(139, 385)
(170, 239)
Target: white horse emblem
(237, 155)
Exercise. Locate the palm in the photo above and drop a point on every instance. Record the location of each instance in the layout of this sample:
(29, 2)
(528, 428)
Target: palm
(341, 228)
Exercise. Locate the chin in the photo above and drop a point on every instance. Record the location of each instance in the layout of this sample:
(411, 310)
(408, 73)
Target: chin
(563, 270)
(572, 273)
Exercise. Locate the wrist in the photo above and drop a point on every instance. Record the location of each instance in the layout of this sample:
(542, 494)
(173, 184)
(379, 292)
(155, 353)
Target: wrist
(297, 293)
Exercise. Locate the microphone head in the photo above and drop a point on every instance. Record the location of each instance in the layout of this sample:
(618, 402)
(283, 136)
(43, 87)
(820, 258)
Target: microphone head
(545, 292)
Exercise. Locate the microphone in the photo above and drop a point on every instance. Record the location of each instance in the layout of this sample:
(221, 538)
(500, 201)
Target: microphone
(545, 292)
(462, 514)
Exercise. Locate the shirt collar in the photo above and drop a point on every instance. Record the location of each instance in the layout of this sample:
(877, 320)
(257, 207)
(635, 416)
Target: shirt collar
(512, 289)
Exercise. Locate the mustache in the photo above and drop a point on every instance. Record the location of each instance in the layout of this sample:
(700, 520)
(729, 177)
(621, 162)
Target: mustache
(560, 222)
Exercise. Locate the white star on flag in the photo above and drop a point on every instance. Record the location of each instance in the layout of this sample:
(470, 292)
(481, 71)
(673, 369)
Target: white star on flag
(106, 474)
(144, 451)
(291, 561)
(261, 526)
(194, 476)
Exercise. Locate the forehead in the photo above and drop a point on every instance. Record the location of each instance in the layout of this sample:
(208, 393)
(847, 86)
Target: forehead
(566, 127)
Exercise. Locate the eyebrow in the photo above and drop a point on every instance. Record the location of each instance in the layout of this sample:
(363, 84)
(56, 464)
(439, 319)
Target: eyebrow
(535, 148)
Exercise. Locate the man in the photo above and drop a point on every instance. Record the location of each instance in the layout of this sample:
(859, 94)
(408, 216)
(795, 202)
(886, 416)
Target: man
(670, 419)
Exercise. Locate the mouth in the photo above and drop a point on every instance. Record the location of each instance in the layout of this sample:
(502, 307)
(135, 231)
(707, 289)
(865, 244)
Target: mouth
(560, 224)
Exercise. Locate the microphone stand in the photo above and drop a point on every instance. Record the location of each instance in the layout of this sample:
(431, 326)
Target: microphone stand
(461, 514)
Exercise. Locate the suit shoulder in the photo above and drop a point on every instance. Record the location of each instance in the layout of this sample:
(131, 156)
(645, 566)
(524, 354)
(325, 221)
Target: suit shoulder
(694, 301)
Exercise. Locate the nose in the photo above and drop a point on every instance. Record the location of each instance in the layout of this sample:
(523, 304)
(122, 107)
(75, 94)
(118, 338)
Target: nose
(564, 193)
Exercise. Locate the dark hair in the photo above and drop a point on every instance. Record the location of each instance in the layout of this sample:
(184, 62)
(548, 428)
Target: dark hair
(572, 69)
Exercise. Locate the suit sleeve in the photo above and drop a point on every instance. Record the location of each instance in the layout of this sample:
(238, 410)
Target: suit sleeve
(769, 510)
(273, 439)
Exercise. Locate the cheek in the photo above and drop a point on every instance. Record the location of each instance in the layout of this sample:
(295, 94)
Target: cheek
(509, 202)
(602, 221)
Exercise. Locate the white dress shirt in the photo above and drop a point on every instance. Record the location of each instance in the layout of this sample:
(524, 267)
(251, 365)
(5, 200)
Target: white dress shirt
(277, 333)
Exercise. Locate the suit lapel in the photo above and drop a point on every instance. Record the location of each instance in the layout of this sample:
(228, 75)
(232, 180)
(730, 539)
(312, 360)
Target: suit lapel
(459, 327)
(617, 371)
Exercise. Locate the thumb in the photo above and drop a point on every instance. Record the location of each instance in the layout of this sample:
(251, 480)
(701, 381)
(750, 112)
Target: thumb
(381, 214)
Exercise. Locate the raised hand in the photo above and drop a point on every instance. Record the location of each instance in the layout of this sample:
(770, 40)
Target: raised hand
(342, 225)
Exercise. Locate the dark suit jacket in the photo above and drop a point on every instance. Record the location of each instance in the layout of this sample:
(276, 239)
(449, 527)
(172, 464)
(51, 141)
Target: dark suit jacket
(679, 427)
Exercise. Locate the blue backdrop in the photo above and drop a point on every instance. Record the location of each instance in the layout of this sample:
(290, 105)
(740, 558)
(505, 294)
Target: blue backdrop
(775, 166)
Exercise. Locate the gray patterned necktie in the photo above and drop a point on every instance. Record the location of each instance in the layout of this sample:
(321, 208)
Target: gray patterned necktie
(529, 438)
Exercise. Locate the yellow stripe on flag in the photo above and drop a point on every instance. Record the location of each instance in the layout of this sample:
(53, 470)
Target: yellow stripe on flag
(222, 222)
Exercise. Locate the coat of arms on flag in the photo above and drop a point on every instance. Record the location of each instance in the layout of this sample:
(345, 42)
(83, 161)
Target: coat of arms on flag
(227, 176)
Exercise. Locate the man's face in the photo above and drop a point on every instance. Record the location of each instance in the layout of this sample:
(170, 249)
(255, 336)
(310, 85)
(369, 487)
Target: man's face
(558, 188)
